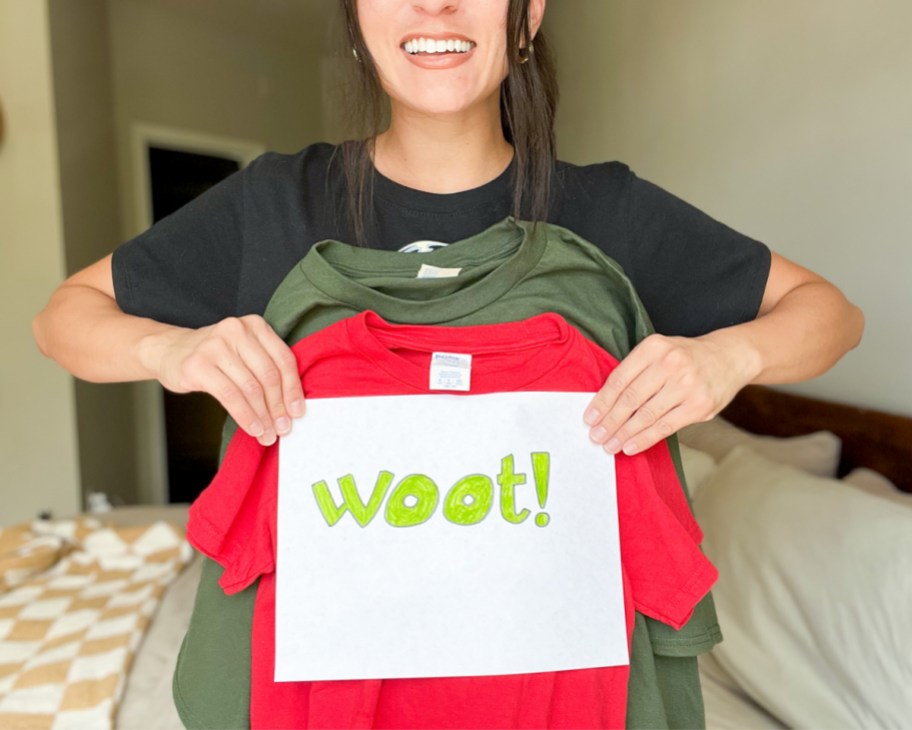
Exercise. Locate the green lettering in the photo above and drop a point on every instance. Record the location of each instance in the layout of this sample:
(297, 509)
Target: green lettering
(351, 500)
(508, 481)
(469, 500)
(541, 467)
(423, 492)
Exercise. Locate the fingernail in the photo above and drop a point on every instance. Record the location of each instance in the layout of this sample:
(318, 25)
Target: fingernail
(630, 448)
(297, 409)
(256, 429)
(598, 433)
(282, 425)
(613, 446)
(268, 438)
(592, 416)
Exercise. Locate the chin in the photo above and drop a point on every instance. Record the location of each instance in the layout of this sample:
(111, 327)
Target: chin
(441, 101)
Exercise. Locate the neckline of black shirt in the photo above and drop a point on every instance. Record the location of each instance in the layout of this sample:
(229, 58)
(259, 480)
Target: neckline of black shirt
(465, 200)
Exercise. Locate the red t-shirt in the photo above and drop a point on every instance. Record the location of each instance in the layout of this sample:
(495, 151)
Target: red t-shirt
(234, 523)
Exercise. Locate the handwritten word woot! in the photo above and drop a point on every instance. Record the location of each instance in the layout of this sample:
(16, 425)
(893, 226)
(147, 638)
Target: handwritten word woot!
(415, 497)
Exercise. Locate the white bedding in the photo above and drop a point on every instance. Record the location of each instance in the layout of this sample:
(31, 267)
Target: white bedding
(813, 594)
(147, 702)
(727, 706)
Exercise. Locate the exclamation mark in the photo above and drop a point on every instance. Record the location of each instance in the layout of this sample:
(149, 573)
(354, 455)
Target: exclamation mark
(541, 466)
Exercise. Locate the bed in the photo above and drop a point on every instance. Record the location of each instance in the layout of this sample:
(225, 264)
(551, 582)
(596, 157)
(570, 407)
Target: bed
(83, 600)
(807, 513)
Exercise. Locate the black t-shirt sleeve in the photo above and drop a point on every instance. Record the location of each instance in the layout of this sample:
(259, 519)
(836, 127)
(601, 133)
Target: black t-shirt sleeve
(185, 269)
(693, 273)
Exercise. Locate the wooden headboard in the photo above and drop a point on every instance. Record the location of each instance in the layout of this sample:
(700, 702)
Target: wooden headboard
(880, 441)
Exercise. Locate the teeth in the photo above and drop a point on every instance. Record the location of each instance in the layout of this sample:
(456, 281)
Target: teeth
(430, 45)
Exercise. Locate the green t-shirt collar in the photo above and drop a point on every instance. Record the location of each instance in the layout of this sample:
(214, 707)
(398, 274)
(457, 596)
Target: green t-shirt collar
(497, 259)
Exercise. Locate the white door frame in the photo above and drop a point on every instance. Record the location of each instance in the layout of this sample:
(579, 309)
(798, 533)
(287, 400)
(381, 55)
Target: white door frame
(151, 445)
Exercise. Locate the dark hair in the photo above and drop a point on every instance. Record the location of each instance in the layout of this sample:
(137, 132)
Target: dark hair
(528, 102)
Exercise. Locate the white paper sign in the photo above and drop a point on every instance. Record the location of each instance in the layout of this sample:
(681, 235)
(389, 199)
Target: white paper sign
(479, 537)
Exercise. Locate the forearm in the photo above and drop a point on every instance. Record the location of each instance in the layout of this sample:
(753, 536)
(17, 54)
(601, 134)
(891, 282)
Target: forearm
(801, 336)
(84, 331)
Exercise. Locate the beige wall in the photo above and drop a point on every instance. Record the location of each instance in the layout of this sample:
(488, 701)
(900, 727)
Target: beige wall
(236, 69)
(787, 120)
(74, 78)
(233, 68)
(39, 466)
(91, 223)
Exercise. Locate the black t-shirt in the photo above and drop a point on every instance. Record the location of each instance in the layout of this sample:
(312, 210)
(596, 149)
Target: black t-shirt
(225, 253)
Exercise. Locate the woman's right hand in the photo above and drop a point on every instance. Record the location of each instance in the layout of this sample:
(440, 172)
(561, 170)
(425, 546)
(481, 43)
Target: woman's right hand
(239, 361)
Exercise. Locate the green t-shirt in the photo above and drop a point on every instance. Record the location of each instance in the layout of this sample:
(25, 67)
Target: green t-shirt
(511, 271)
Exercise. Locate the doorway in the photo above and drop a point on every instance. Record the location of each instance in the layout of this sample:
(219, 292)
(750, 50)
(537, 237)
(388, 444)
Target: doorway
(193, 421)
(181, 432)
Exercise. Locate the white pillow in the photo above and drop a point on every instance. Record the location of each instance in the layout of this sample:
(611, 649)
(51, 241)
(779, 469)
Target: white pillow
(814, 595)
(874, 483)
(816, 453)
(697, 466)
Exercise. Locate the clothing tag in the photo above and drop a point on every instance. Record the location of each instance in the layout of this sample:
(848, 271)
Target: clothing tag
(436, 272)
(450, 371)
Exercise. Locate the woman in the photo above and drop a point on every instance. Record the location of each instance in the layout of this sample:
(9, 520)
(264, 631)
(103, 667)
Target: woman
(470, 140)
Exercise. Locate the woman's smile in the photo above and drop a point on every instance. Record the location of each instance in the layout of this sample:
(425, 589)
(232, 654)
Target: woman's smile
(433, 52)
(437, 50)
(431, 44)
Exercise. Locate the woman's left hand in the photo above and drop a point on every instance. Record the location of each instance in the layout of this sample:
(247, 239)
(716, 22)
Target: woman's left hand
(664, 384)
(803, 326)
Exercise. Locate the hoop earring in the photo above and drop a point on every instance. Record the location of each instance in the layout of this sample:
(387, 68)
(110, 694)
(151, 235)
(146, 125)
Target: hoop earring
(524, 54)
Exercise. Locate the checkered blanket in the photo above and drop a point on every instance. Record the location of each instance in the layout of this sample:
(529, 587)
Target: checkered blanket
(75, 600)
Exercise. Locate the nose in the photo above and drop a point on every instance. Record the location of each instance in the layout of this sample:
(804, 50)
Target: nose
(436, 7)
